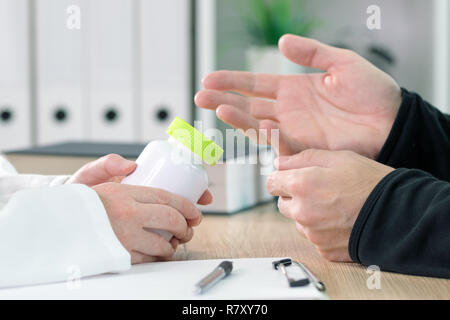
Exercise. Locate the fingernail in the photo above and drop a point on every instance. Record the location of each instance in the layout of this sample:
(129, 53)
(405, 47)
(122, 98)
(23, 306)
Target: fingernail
(196, 97)
(281, 160)
(218, 110)
(204, 79)
(276, 163)
(128, 164)
(190, 232)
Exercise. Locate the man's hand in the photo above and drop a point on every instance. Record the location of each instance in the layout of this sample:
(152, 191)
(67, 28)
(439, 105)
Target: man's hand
(108, 168)
(324, 191)
(133, 210)
(351, 106)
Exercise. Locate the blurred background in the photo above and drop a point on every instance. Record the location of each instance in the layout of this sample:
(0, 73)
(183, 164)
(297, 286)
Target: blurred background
(120, 70)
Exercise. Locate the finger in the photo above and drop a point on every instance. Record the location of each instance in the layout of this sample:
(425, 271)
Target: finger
(162, 217)
(312, 53)
(307, 158)
(258, 108)
(174, 242)
(275, 137)
(188, 237)
(206, 198)
(158, 196)
(152, 244)
(241, 121)
(285, 205)
(194, 222)
(236, 117)
(247, 83)
(138, 257)
(279, 182)
(262, 132)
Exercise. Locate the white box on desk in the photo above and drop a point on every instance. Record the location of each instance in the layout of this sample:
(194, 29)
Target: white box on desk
(237, 185)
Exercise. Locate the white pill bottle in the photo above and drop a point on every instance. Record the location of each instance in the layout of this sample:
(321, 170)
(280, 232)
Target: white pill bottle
(176, 164)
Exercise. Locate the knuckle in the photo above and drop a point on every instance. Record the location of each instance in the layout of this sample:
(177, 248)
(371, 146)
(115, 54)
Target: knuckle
(172, 217)
(299, 183)
(125, 212)
(305, 217)
(294, 184)
(188, 210)
(110, 157)
(163, 196)
(314, 238)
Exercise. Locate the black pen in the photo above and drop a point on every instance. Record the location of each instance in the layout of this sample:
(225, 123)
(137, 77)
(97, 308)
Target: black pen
(220, 272)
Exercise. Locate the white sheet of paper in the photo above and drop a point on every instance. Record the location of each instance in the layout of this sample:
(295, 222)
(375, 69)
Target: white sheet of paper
(250, 279)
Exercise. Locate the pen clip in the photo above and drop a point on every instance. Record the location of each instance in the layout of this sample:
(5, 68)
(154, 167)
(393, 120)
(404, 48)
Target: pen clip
(281, 265)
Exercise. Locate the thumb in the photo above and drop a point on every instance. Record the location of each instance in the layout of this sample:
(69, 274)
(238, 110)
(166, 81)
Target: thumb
(111, 166)
(103, 169)
(304, 159)
(312, 53)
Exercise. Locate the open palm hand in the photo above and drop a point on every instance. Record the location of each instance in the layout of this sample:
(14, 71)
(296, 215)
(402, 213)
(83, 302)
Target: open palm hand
(350, 106)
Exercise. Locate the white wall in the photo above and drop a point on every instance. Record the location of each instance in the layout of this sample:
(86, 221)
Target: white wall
(408, 31)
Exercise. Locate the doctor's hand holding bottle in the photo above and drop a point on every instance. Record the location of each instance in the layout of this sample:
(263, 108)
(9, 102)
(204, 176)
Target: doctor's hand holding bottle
(134, 210)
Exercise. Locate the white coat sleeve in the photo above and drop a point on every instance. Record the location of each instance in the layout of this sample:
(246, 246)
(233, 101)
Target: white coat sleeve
(47, 233)
(11, 181)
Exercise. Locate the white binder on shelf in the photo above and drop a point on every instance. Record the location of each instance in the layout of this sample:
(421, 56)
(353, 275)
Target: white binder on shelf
(165, 65)
(205, 60)
(59, 72)
(15, 126)
(111, 29)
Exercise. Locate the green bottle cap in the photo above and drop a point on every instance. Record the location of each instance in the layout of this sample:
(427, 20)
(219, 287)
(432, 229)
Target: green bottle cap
(195, 141)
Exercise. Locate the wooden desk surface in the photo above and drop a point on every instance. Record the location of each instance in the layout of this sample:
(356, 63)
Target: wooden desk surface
(262, 232)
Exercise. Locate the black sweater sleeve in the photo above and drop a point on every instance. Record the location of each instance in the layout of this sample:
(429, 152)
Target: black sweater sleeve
(419, 139)
(404, 225)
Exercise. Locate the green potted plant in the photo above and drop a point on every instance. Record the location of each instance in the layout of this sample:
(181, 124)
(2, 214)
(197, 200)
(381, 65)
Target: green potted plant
(266, 22)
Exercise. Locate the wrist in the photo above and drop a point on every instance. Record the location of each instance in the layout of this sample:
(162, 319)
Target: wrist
(389, 144)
